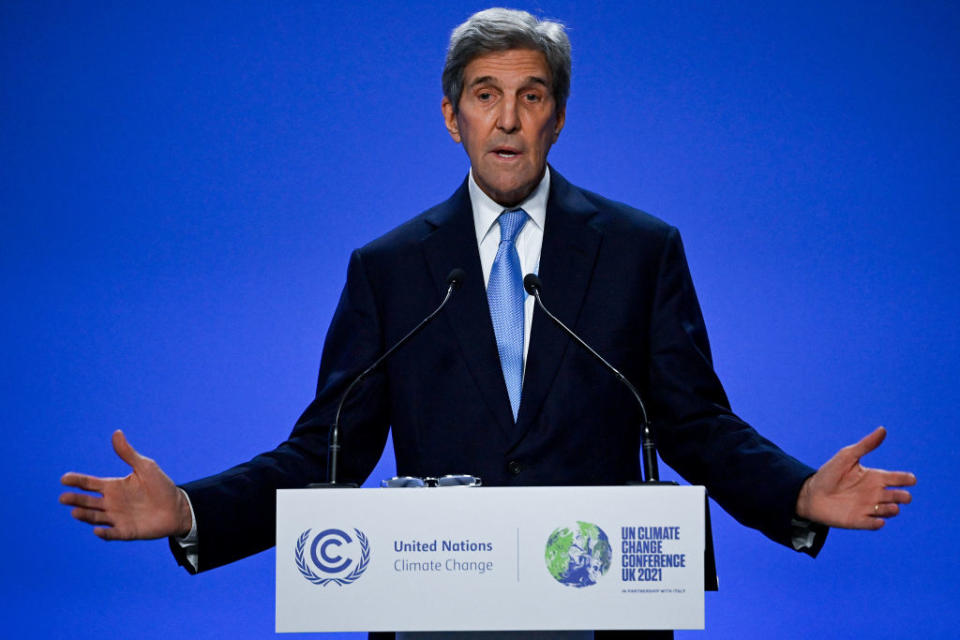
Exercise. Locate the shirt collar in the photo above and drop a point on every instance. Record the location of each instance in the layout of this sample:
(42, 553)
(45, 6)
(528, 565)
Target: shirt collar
(486, 211)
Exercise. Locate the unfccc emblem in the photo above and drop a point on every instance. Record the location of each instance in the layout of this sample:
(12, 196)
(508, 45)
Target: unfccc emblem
(336, 555)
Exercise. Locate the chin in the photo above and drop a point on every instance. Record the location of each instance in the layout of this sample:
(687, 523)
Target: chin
(509, 198)
(512, 194)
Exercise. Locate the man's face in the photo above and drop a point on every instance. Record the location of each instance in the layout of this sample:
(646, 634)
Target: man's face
(507, 121)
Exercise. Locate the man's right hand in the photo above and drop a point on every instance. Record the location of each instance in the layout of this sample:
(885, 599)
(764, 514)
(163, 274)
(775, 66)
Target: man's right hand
(142, 506)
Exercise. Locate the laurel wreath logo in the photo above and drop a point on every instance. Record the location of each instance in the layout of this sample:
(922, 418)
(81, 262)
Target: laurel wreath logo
(358, 570)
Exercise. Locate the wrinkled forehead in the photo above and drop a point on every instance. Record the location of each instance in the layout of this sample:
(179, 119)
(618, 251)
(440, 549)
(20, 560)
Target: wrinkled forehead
(508, 66)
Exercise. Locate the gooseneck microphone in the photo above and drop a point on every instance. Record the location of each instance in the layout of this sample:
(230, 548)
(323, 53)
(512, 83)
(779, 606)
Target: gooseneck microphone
(454, 280)
(648, 448)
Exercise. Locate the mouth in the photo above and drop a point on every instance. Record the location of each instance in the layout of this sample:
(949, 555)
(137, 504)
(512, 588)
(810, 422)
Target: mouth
(506, 153)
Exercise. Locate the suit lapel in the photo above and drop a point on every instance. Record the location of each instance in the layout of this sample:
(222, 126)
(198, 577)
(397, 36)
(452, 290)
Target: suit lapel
(453, 244)
(570, 246)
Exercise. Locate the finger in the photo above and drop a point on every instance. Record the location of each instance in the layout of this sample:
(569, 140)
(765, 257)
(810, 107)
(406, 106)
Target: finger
(82, 481)
(869, 443)
(125, 450)
(896, 496)
(885, 510)
(874, 524)
(90, 516)
(870, 521)
(899, 479)
(81, 500)
(881, 477)
(107, 533)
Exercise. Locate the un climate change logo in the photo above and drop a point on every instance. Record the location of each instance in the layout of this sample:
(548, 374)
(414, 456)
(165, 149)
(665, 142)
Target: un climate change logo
(577, 556)
(340, 558)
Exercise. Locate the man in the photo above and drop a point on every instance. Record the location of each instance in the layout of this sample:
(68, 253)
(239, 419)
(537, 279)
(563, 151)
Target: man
(497, 390)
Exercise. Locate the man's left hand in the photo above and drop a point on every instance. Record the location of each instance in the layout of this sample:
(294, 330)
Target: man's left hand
(843, 493)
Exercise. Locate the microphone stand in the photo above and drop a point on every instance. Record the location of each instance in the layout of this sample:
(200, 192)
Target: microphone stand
(648, 447)
(454, 280)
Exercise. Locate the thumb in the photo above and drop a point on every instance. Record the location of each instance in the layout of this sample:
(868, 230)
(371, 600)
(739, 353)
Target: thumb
(125, 450)
(870, 442)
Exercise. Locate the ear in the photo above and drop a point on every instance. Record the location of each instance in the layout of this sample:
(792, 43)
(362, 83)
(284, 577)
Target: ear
(450, 119)
(561, 119)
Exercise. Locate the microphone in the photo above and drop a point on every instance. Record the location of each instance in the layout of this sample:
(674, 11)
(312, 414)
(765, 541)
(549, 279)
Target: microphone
(454, 280)
(648, 447)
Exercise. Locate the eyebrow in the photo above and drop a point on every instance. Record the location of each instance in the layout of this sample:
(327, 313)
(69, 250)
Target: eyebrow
(491, 79)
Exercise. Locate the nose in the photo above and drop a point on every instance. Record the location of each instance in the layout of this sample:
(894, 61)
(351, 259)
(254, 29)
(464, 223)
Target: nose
(508, 119)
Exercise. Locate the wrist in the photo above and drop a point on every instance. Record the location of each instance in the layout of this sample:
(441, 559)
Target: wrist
(184, 514)
(802, 508)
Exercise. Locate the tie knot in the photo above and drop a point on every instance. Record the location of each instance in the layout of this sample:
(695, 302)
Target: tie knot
(510, 224)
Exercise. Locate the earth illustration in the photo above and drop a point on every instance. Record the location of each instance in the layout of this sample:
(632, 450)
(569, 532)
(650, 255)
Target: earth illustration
(577, 556)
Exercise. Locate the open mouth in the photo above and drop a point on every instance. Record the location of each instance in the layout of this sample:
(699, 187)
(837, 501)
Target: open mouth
(506, 152)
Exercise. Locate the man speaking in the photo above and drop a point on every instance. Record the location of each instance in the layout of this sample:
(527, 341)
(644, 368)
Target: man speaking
(492, 387)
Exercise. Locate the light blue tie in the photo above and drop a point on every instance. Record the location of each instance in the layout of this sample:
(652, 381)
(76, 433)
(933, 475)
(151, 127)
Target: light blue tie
(506, 297)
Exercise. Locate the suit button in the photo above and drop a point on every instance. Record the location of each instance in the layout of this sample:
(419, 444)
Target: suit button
(514, 467)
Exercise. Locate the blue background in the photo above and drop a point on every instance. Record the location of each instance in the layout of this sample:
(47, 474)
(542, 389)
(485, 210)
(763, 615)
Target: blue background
(182, 183)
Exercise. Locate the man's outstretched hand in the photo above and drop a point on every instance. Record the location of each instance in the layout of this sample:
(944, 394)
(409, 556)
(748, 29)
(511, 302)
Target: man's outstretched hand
(843, 493)
(143, 505)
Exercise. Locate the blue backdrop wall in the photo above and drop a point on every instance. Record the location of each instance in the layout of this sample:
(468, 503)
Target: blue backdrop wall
(182, 183)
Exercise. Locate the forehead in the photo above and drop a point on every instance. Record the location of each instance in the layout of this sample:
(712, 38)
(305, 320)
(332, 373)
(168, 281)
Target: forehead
(507, 67)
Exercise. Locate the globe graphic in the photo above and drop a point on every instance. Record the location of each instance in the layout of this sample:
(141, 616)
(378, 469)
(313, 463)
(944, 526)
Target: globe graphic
(578, 555)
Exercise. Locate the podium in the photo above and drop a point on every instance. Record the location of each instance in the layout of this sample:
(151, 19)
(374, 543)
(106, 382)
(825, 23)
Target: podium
(490, 558)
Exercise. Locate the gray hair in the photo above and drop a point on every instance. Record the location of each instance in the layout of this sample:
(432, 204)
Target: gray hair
(500, 30)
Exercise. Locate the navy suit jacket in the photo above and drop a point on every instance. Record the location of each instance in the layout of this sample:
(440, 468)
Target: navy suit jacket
(614, 274)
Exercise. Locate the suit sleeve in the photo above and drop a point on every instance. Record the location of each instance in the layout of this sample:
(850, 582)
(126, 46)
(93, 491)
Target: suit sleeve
(697, 433)
(236, 510)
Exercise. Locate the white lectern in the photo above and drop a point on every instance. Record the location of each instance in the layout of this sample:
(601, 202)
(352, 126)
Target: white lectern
(490, 558)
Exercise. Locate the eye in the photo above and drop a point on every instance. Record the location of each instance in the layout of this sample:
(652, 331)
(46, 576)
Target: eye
(484, 96)
(532, 97)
